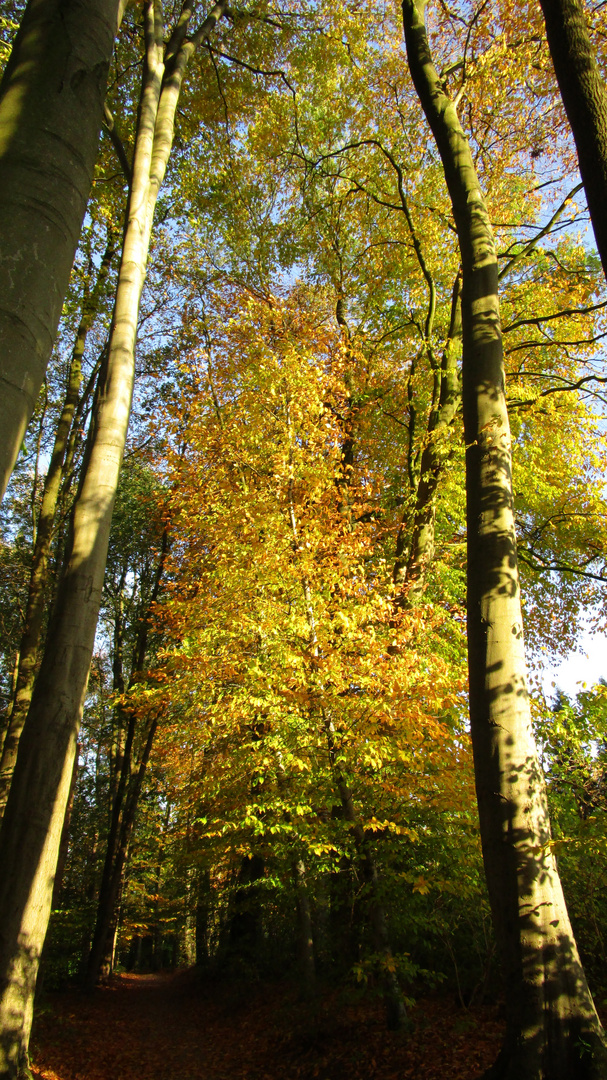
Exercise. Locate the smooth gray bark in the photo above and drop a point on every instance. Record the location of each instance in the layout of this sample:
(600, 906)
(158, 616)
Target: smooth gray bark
(553, 1030)
(38, 592)
(584, 96)
(51, 106)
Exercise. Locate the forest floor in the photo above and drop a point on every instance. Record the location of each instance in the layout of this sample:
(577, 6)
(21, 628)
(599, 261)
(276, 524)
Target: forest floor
(168, 1027)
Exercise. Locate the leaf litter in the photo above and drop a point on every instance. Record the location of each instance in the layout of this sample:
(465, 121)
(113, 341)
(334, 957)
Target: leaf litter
(174, 1027)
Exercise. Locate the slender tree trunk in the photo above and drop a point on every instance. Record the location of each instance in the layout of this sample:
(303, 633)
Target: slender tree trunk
(106, 968)
(5, 718)
(584, 96)
(157, 935)
(410, 569)
(553, 1030)
(76, 434)
(188, 950)
(202, 915)
(117, 851)
(31, 827)
(127, 789)
(38, 593)
(65, 835)
(306, 940)
(51, 106)
(110, 881)
(119, 737)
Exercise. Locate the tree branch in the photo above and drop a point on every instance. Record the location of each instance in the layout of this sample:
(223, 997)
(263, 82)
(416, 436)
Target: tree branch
(110, 126)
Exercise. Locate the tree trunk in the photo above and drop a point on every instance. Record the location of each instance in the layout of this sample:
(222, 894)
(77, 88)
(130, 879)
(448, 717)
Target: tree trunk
(106, 969)
(410, 570)
(188, 949)
(585, 99)
(61, 861)
(553, 1030)
(30, 832)
(38, 593)
(64, 843)
(51, 106)
(245, 923)
(123, 820)
(306, 941)
(125, 788)
(202, 917)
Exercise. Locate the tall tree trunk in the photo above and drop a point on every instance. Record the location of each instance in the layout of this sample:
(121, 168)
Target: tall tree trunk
(410, 569)
(51, 106)
(584, 96)
(65, 834)
(123, 820)
(553, 1031)
(109, 952)
(126, 790)
(38, 592)
(76, 439)
(202, 916)
(189, 923)
(304, 919)
(118, 740)
(31, 827)
(245, 921)
(61, 861)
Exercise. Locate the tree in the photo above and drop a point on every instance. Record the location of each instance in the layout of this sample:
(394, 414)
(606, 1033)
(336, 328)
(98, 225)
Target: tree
(584, 95)
(38, 592)
(282, 677)
(135, 530)
(29, 842)
(550, 1010)
(51, 106)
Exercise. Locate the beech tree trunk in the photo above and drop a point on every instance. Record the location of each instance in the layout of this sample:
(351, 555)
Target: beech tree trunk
(123, 820)
(553, 1031)
(411, 568)
(584, 96)
(61, 861)
(33, 819)
(51, 106)
(125, 788)
(38, 592)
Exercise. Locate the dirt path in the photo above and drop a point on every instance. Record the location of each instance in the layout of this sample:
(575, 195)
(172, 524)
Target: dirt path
(166, 1027)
